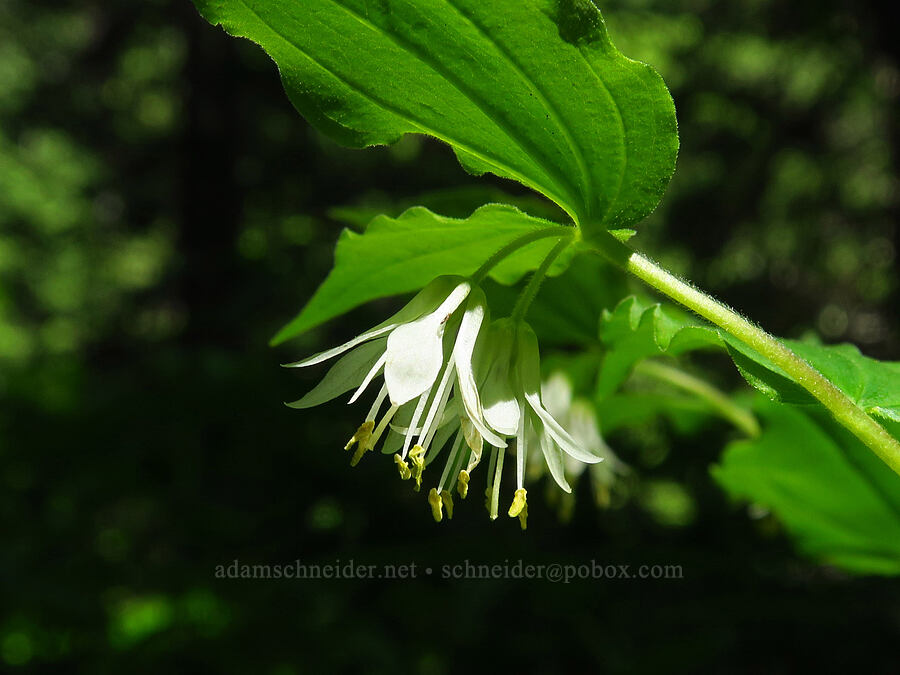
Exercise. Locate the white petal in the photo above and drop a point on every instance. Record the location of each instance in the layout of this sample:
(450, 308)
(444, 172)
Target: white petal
(556, 395)
(453, 459)
(376, 368)
(344, 375)
(463, 349)
(415, 350)
(498, 398)
(584, 429)
(424, 302)
(521, 450)
(413, 429)
(414, 358)
(453, 300)
(376, 404)
(438, 404)
(552, 456)
(529, 375)
(335, 351)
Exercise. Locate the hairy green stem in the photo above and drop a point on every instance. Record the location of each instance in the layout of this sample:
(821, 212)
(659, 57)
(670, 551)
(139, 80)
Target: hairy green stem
(516, 244)
(841, 407)
(526, 297)
(741, 418)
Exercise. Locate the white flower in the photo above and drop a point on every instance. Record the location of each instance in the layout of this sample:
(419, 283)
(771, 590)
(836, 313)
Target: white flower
(509, 365)
(421, 351)
(579, 417)
(452, 379)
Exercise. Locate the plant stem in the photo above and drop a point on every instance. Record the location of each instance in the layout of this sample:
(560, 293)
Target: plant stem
(516, 244)
(722, 404)
(841, 407)
(530, 291)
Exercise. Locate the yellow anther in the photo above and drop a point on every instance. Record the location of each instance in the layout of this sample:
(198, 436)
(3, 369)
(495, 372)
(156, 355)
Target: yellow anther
(462, 484)
(363, 439)
(417, 457)
(519, 507)
(447, 498)
(402, 467)
(435, 500)
(358, 454)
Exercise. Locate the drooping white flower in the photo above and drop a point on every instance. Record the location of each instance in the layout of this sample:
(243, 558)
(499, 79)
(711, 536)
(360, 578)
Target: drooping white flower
(424, 352)
(579, 417)
(509, 368)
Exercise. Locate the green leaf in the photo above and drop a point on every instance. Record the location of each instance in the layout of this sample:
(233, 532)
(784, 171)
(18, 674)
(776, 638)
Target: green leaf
(456, 202)
(635, 330)
(873, 385)
(841, 504)
(399, 255)
(531, 90)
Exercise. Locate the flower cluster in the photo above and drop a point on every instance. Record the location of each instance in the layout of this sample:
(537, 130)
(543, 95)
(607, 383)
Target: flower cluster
(454, 381)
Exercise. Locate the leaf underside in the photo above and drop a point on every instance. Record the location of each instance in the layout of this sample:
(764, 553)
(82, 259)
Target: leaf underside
(838, 500)
(400, 255)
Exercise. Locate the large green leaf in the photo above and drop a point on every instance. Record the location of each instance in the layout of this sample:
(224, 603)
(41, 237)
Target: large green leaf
(531, 90)
(840, 503)
(399, 255)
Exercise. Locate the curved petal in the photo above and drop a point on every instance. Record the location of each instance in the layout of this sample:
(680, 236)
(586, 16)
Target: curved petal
(463, 353)
(371, 375)
(528, 368)
(438, 404)
(424, 302)
(556, 395)
(552, 455)
(344, 375)
(583, 425)
(378, 331)
(498, 395)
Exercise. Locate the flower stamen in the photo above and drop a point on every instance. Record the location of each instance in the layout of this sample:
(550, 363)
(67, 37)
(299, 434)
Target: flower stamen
(402, 467)
(447, 498)
(362, 438)
(519, 507)
(434, 499)
(417, 457)
(462, 484)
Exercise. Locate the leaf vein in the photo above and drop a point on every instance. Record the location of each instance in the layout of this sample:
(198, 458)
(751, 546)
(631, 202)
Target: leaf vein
(532, 151)
(484, 155)
(552, 109)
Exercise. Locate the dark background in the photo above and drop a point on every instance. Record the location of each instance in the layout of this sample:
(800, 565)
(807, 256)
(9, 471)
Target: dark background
(163, 210)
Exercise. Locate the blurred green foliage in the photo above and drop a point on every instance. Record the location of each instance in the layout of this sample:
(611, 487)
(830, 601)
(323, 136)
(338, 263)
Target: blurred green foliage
(163, 210)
